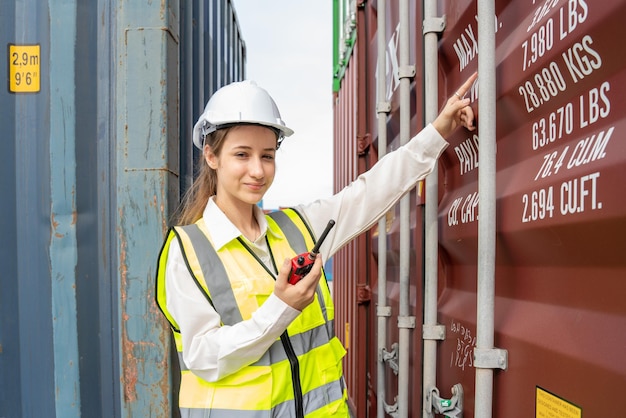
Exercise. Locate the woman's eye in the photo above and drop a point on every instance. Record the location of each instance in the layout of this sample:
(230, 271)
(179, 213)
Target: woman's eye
(268, 157)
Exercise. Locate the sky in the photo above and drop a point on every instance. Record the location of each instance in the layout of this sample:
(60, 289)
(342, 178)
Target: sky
(289, 53)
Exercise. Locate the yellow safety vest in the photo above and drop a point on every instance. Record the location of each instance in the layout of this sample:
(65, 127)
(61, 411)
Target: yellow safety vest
(301, 374)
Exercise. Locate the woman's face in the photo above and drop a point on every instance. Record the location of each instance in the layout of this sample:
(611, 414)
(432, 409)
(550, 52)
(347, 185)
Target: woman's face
(245, 165)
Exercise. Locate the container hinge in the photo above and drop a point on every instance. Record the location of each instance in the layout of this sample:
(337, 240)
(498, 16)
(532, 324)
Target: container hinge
(363, 143)
(406, 71)
(391, 409)
(433, 332)
(391, 357)
(363, 294)
(433, 24)
(450, 408)
(491, 358)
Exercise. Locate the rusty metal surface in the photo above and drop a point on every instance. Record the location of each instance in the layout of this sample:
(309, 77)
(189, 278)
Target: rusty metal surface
(345, 262)
(91, 175)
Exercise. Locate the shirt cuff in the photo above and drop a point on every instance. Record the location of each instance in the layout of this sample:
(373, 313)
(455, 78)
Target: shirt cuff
(278, 312)
(427, 143)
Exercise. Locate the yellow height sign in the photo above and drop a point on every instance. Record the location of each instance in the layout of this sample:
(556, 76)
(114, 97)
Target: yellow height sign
(24, 68)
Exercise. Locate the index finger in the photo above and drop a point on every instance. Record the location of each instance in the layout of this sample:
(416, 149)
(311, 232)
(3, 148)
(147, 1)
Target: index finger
(467, 85)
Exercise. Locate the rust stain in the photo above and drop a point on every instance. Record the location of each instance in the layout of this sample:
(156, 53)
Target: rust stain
(53, 221)
(129, 366)
(131, 350)
(130, 369)
(164, 218)
(165, 342)
(132, 356)
(55, 225)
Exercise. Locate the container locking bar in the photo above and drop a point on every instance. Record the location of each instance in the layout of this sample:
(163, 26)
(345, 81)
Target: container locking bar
(450, 408)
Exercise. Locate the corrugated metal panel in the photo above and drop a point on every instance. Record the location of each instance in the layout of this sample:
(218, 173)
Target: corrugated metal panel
(344, 262)
(560, 221)
(145, 171)
(350, 263)
(393, 216)
(90, 178)
(560, 216)
(355, 266)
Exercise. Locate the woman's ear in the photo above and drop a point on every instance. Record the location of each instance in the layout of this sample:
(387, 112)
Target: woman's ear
(210, 157)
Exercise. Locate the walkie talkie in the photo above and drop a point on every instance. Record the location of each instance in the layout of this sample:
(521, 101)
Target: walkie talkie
(303, 263)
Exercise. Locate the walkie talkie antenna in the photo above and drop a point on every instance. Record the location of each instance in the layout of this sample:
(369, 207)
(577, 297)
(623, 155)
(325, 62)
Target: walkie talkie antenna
(316, 248)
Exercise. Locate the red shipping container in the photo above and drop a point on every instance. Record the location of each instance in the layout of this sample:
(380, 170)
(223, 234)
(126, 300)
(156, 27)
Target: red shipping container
(560, 210)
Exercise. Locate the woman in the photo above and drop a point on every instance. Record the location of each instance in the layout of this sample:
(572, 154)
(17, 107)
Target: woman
(250, 344)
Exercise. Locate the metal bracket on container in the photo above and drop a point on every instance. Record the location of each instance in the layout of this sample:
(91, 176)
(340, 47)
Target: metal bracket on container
(450, 408)
(433, 24)
(391, 357)
(383, 107)
(406, 71)
(383, 311)
(433, 332)
(391, 409)
(491, 358)
(406, 322)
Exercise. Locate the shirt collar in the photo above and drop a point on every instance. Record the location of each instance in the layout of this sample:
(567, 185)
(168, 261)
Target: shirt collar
(223, 231)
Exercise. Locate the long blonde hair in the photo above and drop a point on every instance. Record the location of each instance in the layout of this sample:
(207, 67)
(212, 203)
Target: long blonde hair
(204, 186)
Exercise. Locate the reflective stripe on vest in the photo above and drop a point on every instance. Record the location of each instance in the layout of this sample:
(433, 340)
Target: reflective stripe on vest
(315, 399)
(301, 343)
(267, 382)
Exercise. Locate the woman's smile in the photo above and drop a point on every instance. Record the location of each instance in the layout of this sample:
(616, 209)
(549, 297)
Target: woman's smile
(255, 186)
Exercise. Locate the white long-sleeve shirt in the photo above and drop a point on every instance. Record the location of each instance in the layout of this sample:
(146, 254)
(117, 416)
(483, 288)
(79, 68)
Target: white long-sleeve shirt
(212, 351)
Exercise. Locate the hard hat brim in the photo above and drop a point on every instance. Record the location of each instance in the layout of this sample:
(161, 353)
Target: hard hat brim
(198, 137)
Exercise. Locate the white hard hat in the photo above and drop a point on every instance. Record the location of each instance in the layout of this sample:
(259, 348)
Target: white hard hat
(239, 102)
